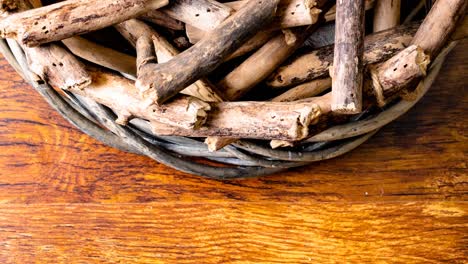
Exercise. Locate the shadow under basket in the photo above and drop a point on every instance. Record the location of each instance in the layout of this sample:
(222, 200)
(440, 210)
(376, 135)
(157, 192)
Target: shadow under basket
(243, 159)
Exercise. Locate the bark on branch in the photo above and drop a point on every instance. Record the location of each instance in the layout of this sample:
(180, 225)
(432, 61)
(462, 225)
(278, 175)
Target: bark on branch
(52, 63)
(162, 81)
(72, 17)
(309, 65)
(121, 95)
(347, 71)
(259, 120)
(133, 30)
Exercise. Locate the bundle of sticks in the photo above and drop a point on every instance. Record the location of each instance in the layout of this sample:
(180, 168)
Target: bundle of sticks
(309, 60)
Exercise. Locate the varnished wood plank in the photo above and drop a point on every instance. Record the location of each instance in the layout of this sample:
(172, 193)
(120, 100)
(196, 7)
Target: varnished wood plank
(421, 156)
(423, 232)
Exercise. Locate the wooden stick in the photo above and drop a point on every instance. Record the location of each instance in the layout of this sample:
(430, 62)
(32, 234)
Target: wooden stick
(134, 29)
(57, 66)
(305, 90)
(217, 143)
(73, 17)
(439, 24)
(264, 61)
(291, 13)
(52, 63)
(162, 81)
(309, 65)
(259, 65)
(386, 14)
(331, 14)
(203, 14)
(348, 64)
(145, 53)
(101, 55)
(121, 95)
(402, 71)
(260, 120)
(160, 18)
(202, 88)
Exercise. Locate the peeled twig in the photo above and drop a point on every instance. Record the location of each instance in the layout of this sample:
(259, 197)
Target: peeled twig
(160, 18)
(73, 17)
(386, 14)
(259, 65)
(314, 64)
(134, 29)
(347, 71)
(159, 82)
(121, 95)
(101, 55)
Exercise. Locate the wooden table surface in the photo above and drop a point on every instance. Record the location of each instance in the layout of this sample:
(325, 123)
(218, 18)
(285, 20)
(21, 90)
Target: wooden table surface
(400, 197)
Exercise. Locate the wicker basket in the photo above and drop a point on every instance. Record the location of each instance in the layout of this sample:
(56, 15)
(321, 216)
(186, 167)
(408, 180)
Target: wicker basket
(245, 158)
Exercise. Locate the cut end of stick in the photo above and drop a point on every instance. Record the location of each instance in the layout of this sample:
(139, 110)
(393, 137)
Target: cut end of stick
(200, 109)
(392, 78)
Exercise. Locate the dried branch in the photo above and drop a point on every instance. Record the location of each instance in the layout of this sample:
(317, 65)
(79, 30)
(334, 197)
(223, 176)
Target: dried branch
(160, 82)
(101, 55)
(386, 14)
(348, 66)
(72, 17)
(121, 95)
(134, 29)
(309, 65)
(159, 18)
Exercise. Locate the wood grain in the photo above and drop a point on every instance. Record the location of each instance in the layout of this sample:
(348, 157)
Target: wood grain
(400, 197)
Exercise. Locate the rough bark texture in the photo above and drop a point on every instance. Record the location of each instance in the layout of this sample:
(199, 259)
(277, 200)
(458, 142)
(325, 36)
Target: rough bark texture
(202, 89)
(309, 65)
(291, 13)
(401, 72)
(101, 55)
(51, 62)
(145, 53)
(259, 120)
(203, 14)
(57, 66)
(134, 29)
(305, 90)
(121, 95)
(347, 71)
(73, 17)
(386, 14)
(160, 18)
(163, 81)
(264, 61)
(439, 24)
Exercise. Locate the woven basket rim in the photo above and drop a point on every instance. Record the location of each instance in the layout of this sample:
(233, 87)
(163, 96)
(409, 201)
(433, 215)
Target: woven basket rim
(250, 159)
